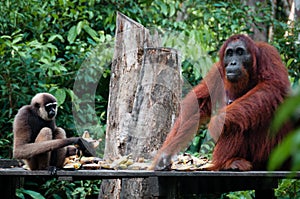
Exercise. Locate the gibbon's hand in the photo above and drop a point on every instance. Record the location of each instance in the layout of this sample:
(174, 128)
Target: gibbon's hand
(86, 147)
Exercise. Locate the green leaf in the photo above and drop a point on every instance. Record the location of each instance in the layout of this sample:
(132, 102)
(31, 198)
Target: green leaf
(163, 7)
(221, 4)
(17, 39)
(56, 36)
(91, 32)
(56, 196)
(285, 111)
(258, 19)
(19, 194)
(79, 27)
(32, 194)
(281, 153)
(72, 34)
(172, 10)
(289, 147)
(5, 37)
(60, 95)
(289, 62)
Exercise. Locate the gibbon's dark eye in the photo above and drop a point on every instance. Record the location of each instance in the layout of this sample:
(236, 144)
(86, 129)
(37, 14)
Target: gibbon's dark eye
(229, 52)
(240, 51)
(37, 105)
(51, 108)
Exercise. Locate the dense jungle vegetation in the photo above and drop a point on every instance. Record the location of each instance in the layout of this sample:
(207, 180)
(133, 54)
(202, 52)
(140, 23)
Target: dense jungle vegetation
(44, 45)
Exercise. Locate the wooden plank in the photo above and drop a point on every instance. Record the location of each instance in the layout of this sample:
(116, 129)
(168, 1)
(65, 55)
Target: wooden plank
(272, 174)
(100, 174)
(145, 173)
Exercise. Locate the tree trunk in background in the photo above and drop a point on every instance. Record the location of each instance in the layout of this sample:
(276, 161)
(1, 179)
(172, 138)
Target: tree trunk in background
(260, 30)
(293, 12)
(297, 16)
(297, 9)
(145, 92)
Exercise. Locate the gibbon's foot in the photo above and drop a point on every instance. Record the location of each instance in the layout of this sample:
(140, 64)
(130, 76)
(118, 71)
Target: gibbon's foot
(52, 170)
(86, 147)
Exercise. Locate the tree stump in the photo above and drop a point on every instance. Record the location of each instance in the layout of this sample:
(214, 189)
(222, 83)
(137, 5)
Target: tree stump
(145, 94)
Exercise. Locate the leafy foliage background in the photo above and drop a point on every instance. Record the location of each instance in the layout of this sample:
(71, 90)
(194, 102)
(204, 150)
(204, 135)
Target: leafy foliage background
(44, 43)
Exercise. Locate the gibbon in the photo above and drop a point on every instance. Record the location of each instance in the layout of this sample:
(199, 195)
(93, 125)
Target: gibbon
(38, 140)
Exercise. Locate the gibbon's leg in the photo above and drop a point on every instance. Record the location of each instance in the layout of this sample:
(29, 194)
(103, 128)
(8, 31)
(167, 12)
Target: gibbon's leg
(59, 133)
(41, 161)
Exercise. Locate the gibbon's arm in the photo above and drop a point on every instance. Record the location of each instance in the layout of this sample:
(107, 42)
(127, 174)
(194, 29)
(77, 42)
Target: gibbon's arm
(25, 151)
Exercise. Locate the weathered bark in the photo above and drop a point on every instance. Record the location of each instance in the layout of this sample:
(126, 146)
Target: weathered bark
(145, 92)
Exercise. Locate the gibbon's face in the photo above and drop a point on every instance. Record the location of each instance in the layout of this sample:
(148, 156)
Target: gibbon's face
(51, 109)
(46, 106)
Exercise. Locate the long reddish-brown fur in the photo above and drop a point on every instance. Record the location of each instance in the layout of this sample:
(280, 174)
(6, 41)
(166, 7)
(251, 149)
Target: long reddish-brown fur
(241, 127)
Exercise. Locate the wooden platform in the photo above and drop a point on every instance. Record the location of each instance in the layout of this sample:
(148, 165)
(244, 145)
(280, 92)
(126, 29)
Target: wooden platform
(165, 184)
(112, 174)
